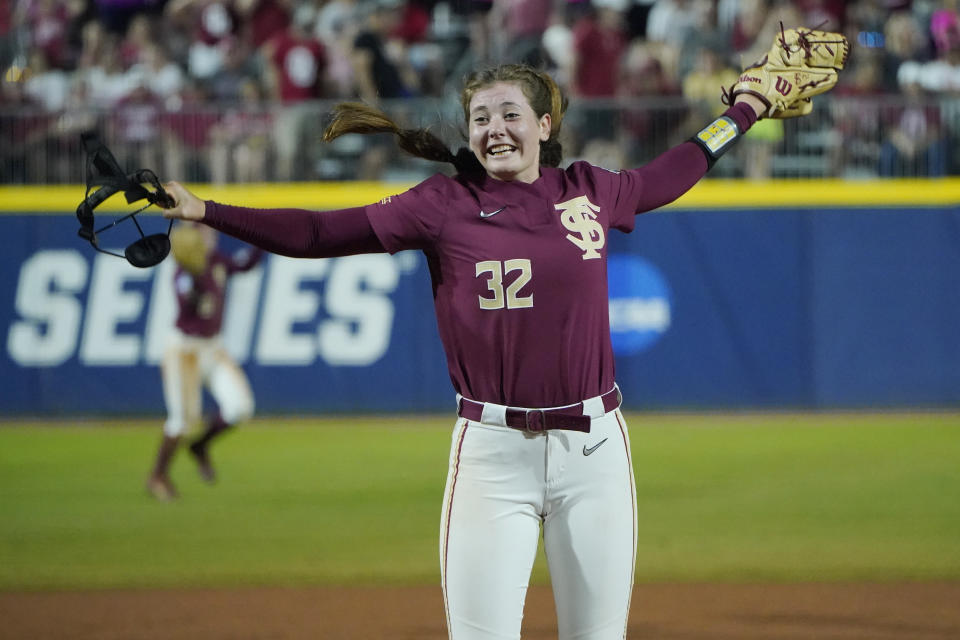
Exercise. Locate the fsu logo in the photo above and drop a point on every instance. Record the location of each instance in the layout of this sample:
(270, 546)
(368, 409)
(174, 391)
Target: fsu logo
(783, 85)
(579, 216)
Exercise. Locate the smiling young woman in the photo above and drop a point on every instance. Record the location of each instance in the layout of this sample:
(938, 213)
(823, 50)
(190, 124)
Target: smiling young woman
(505, 133)
(517, 249)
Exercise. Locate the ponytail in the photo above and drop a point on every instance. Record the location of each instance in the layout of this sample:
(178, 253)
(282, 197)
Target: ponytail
(539, 88)
(356, 117)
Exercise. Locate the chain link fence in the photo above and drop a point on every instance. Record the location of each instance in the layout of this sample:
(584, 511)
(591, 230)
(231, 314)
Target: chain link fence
(845, 137)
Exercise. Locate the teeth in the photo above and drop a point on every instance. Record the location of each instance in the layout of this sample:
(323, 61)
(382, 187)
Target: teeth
(500, 148)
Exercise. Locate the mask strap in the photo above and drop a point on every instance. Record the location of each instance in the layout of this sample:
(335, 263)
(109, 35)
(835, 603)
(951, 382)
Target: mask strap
(102, 169)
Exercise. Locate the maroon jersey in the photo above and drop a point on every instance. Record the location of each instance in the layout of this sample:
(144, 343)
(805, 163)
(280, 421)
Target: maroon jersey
(200, 297)
(519, 276)
(519, 270)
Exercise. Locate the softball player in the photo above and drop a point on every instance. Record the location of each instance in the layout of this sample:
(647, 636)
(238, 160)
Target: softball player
(517, 252)
(195, 358)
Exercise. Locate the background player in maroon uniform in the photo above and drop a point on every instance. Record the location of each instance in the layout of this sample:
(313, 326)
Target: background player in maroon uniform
(517, 250)
(195, 358)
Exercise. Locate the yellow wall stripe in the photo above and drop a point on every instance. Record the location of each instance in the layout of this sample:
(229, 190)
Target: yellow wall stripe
(317, 195)
(707, 194)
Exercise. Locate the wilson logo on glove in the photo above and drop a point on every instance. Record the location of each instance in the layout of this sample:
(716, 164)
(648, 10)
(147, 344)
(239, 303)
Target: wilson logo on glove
(811, 58)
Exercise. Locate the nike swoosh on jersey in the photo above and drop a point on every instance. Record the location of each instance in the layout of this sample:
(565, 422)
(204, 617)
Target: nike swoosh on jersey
(484, 214)
(587, 452)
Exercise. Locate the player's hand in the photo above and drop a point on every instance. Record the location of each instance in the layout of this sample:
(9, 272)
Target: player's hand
(186, 205)
(801, 64)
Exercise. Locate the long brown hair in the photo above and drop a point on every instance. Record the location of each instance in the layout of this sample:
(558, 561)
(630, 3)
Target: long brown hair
(538, 87)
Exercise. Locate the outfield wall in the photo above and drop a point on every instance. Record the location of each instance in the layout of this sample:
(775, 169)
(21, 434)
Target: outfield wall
(798, 294)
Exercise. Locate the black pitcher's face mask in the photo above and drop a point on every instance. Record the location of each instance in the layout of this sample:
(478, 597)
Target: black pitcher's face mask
(101, 169)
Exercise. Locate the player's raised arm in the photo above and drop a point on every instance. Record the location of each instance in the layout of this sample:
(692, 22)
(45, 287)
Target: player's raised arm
(298, 233)
(675, 171)
(800, 64)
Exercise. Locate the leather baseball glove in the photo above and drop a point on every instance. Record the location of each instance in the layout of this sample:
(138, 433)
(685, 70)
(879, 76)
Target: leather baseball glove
(802, 63)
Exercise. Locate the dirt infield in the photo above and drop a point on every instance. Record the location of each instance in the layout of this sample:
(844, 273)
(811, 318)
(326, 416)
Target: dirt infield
(911, 611)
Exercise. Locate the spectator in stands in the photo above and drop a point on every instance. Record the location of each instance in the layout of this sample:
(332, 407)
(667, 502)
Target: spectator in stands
(296, 64)
(381, 71)
(414, 23)
(649, 126)
(557, 45)
(163, 77)
(857, 119)
(904, 40)
(213, 24)
(136, 132)
(749, 18)
(516, 28)
(599, 42)
(240, 140)
(107, 80)
(263, 20)
(670, 24)
(424, 57)
(942, 75)
(21, 120)
(185, 131)
(336, 26)
(401, 58)
(706, 33)
(93, 39)
(239, 64)
(139, 35)
(45, 91)
(945, 74)
(47, 22)
(915, 143)
(64, 145)
(671, 21)
(45, 85)
(478, 52)
(701, 86)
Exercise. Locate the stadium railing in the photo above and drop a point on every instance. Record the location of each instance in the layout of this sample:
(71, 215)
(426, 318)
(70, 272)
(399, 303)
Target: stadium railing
(845, 137)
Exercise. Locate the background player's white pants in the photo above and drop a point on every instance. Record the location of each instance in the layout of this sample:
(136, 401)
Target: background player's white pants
(190, 364)
(502, 485)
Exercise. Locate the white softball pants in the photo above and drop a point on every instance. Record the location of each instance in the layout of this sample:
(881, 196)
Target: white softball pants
(503, 487)
(191, 364)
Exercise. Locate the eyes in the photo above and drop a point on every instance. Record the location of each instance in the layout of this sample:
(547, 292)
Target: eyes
(508, 116)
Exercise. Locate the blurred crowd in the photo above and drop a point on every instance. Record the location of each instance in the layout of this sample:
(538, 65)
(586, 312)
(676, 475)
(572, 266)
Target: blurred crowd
(228, 90)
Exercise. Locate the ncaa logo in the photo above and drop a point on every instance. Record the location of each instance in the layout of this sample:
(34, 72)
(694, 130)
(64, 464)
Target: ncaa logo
(640, 303)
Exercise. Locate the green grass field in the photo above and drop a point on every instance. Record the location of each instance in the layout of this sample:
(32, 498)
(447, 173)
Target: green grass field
(747, 498)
